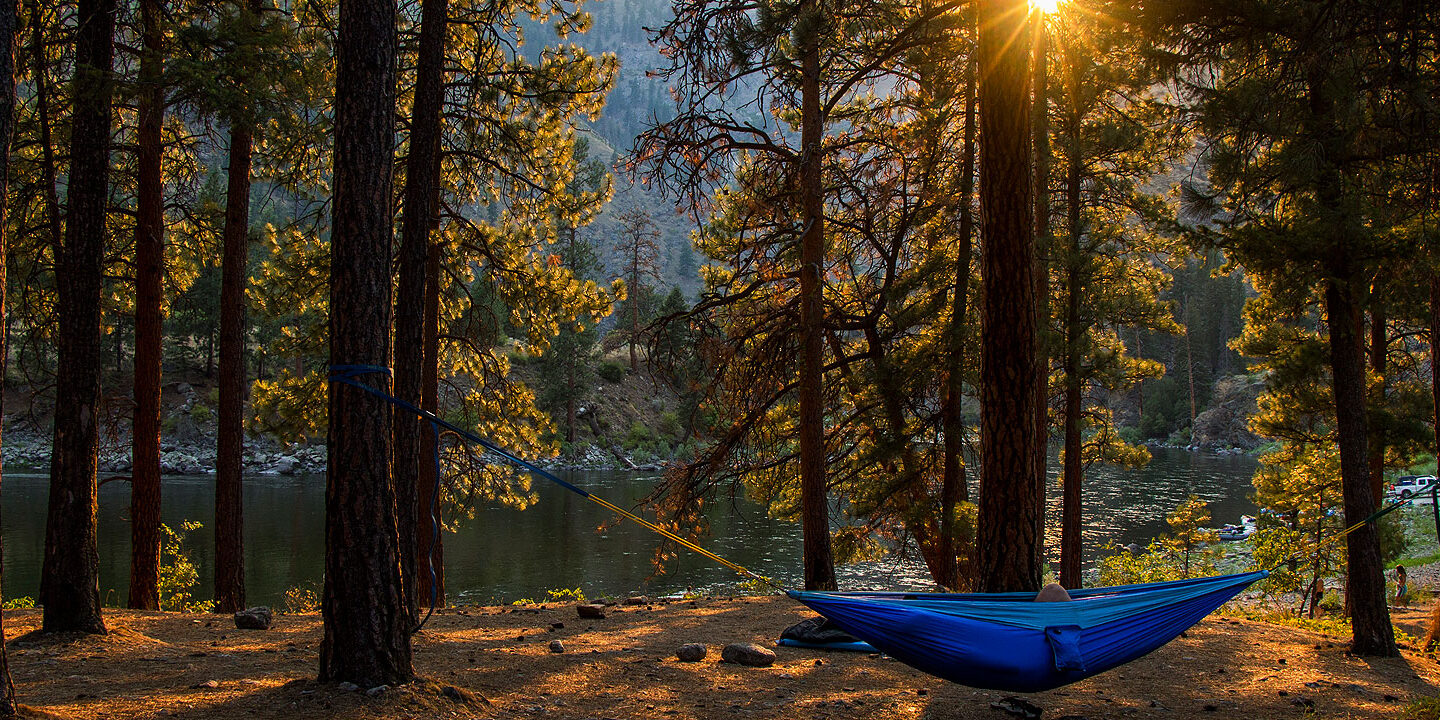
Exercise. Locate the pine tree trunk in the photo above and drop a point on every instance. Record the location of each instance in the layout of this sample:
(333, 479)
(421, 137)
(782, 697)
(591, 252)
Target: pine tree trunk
(634, 302)
(149, 320)
(70, 578)
(954, 486)
(1377, 363)
(8, 23)
(1370, 619)
(47, 143)
(367, 639)
(1435, 355)
(429, 546)
(814, 503)
(230, 445)
(1040, 131)
(1010, 518)
(1071, 540)
(422, 183)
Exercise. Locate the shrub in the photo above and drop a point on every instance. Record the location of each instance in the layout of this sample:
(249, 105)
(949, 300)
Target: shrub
(669, 424)
(611, 372)
(640, 436)
(301, 599)
(18, 603)
(566, 595)
(178, 574)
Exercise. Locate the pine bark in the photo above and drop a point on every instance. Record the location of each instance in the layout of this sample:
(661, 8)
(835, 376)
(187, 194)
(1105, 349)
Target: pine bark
(47, 144)
(1010, 518)
(1040, 131)
(1071, 532)
(8, 24)
(1371, 631)
(70, 578)
(1369, 616)
(814, 503)
(366, 635)
(430, 546)
(1378, 345)
(230, 443)
(422, 185)
(144, 591)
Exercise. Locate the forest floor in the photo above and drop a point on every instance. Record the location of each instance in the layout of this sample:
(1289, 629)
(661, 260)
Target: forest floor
(495, 662)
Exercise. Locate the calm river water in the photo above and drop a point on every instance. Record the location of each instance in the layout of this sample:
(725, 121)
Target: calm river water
(504, 554)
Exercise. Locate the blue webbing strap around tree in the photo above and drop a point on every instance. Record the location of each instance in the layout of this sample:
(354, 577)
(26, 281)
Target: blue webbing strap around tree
(347, 374)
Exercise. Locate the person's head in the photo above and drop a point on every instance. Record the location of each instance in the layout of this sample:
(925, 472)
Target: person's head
(1400, 568)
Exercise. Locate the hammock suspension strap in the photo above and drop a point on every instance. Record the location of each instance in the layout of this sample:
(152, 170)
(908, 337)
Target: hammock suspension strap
(347, 375)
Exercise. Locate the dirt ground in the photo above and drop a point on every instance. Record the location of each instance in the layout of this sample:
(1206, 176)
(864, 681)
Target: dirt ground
(496, 663)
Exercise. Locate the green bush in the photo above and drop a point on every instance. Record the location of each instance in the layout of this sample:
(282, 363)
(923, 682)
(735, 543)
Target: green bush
(669, 424)
(640, 436)
(178, 574)
(611, 372)
(301, 599)
(18, 603)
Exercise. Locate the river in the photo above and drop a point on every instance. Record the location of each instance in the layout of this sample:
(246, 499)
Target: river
(503, 554)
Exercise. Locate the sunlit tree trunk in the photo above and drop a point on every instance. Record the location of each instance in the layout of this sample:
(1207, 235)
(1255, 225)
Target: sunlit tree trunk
(1074, 469)
(366, 636)
(1040, 131)
(814, 503)
(70, 577)
(1010, 518)
(8, 23)
(422, 184)
(149, 319)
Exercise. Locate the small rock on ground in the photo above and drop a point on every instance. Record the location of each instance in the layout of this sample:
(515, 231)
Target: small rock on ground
(594, 612)
(256, 618)
(691, 652)
(747, 654)
(556, 646)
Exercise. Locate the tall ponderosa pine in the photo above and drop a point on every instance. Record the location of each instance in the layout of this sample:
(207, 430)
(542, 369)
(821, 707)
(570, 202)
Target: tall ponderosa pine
(233, 387)
(1011, 519)
(744, 97)
(420, 206)
(70, 577)
(8, 25)
(1110, 139)
(366, 637)
(637, 250)
(1286, 103)
(149, 315)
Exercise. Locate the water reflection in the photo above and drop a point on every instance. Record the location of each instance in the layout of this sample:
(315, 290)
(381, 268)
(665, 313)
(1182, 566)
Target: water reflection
(503, 554)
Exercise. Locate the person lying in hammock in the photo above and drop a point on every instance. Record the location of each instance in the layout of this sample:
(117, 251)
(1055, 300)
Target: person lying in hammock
(1052, 593)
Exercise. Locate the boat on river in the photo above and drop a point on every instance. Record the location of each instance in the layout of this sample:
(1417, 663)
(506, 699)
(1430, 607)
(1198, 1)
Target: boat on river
(1245, 529)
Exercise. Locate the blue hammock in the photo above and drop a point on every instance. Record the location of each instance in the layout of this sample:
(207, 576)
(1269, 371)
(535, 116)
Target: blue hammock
(1006, 641)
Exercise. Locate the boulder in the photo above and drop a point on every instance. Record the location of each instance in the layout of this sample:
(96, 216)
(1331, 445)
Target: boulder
(747, 654)
(691, 652)
(255, 618)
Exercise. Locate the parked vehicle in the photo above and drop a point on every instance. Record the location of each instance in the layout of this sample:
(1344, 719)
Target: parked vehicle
(1408, 486)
